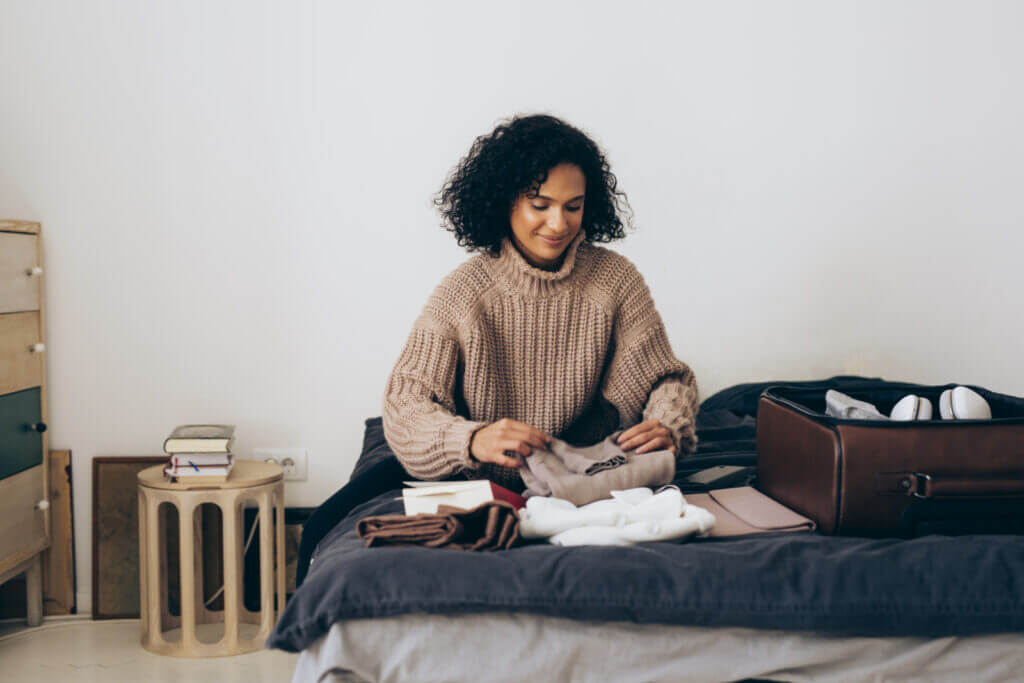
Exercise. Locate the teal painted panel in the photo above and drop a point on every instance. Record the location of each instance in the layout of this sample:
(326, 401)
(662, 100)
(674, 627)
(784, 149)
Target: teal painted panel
(21, 447)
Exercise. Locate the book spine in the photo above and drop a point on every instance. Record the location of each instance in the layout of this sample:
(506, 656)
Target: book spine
(201, 459)
(177, 449)
(195, 466)
(188, 471)
(197, 469)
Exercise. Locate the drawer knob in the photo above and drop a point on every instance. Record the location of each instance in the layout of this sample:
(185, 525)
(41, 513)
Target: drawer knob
(38, 427)
(43, 505)
(37, 348)
(34, 272)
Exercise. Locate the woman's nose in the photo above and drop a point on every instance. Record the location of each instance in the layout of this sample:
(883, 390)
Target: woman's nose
(557, 222)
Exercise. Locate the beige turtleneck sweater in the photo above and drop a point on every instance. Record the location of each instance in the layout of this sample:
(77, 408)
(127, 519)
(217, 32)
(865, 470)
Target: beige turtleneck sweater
(577, 353)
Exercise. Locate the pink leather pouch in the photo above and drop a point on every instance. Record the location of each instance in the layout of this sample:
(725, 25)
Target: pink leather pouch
(745, 510)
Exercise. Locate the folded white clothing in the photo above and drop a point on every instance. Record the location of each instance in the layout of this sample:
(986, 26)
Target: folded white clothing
(630, 516)
(633, 496)
(668, 504)
(590, 535)
(544, 516)
(696, 520)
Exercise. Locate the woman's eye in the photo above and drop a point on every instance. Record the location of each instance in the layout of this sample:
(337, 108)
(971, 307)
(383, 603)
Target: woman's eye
(570, 208)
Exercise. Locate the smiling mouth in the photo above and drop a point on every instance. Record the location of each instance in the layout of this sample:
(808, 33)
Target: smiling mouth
(551, 240)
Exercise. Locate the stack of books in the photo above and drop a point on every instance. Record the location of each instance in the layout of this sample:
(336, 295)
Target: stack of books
(199, 454)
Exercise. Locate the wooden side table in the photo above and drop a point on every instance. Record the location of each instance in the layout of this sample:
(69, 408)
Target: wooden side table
(243, 631)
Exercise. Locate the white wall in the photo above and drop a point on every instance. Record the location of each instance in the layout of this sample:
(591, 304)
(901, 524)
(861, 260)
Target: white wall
(235, 196)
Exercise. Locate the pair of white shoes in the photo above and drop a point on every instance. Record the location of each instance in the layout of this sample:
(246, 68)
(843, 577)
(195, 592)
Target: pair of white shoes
(958, 403)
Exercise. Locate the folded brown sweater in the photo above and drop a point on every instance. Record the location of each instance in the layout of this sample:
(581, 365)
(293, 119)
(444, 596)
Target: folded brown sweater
(493, 525)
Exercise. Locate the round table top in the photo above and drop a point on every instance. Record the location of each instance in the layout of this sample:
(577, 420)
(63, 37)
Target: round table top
(244, 473)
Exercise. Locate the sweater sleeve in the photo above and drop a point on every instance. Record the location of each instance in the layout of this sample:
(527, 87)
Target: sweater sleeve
(418, 412)
(673, 402)
(645, 379)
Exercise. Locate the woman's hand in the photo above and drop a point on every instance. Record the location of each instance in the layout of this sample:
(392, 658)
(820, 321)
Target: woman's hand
(490, 443)
(649, 435)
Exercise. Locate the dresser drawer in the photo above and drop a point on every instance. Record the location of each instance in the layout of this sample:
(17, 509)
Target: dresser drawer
(21, 446)
(19, 289)
(20, 367)
(22, 525)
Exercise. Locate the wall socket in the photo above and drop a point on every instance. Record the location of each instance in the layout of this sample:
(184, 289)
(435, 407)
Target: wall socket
(292, 460)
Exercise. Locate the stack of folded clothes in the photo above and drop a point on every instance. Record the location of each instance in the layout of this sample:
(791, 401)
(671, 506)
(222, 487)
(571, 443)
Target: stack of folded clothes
(633, 516)
(493, 525)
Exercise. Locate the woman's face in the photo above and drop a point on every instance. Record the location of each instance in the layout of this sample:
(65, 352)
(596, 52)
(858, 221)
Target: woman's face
(555, 212)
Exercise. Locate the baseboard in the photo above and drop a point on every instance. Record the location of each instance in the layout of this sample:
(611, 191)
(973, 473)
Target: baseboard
(50, 618)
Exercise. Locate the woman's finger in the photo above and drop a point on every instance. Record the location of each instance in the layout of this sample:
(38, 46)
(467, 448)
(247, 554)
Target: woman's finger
(655, 444)
(514, 446)
(509, 462)
(645, 431)
(639, 428)
(527, 432)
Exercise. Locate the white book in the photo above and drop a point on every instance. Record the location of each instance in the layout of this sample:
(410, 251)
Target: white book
(426, 496)
(203, 472)
(200, 439)
(183, 459)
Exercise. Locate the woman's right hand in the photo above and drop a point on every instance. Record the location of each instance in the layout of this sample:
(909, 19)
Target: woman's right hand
(490, 443)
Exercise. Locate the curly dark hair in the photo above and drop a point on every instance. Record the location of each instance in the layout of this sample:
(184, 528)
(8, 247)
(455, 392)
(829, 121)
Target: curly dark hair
(514, 158)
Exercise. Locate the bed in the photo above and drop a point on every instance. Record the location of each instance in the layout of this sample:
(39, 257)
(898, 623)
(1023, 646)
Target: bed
(779, 606)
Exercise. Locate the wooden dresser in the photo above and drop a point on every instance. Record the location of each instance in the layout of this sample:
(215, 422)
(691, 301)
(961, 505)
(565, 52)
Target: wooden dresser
(24, 507)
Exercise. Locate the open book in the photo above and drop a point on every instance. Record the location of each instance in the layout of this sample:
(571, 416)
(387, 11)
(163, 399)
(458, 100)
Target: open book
(425, 496)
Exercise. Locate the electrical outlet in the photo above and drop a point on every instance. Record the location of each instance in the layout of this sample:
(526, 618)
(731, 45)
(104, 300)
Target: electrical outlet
(292, 460)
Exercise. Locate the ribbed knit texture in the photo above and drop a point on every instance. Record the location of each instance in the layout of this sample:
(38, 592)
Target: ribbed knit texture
(577, 353)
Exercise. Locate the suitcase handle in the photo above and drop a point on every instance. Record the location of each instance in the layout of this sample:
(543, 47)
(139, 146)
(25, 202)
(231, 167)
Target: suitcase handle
(921, 485)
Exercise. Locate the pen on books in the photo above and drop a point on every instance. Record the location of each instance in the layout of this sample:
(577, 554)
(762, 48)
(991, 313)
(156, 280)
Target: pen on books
(193, 465)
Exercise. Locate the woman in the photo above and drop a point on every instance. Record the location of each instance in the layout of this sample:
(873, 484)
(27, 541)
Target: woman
(542, 334)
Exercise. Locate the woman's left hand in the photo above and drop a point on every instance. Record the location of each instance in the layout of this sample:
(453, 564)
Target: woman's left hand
(649, 435)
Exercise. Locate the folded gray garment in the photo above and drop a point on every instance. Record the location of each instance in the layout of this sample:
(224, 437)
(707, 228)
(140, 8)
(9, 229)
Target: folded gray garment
(840, 405)
(561, 470)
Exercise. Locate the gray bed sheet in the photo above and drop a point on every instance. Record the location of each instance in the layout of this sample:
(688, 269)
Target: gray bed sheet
(513, 647)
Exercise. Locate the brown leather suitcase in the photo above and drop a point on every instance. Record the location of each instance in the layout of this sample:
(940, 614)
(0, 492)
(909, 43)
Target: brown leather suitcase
(880, 478)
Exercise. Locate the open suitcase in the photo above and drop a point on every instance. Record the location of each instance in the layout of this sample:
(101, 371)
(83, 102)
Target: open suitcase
(882, 478)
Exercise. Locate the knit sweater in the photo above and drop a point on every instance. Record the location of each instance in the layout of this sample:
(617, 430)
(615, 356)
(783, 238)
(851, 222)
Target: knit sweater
(576, 352)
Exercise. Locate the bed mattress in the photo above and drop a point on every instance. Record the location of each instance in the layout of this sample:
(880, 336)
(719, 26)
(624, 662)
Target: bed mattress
(514, 647)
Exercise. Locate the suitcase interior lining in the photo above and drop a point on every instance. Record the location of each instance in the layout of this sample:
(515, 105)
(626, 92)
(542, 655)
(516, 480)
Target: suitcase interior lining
(1005, 408)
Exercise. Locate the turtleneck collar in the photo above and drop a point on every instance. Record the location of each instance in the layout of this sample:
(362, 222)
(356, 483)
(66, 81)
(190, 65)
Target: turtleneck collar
(537, 282)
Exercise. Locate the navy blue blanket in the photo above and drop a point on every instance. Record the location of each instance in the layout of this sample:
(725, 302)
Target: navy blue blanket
(933, 585)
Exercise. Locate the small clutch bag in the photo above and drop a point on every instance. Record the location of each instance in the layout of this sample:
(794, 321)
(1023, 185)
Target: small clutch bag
(745, 510)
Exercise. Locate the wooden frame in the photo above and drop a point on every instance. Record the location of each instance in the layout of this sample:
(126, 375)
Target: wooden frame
(115, 535)
(59, 576)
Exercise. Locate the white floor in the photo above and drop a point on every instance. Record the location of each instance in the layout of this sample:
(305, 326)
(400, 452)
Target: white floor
(81, 650)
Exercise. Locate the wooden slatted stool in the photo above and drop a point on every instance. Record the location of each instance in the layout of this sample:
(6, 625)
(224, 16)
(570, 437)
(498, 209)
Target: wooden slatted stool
(243, 630)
